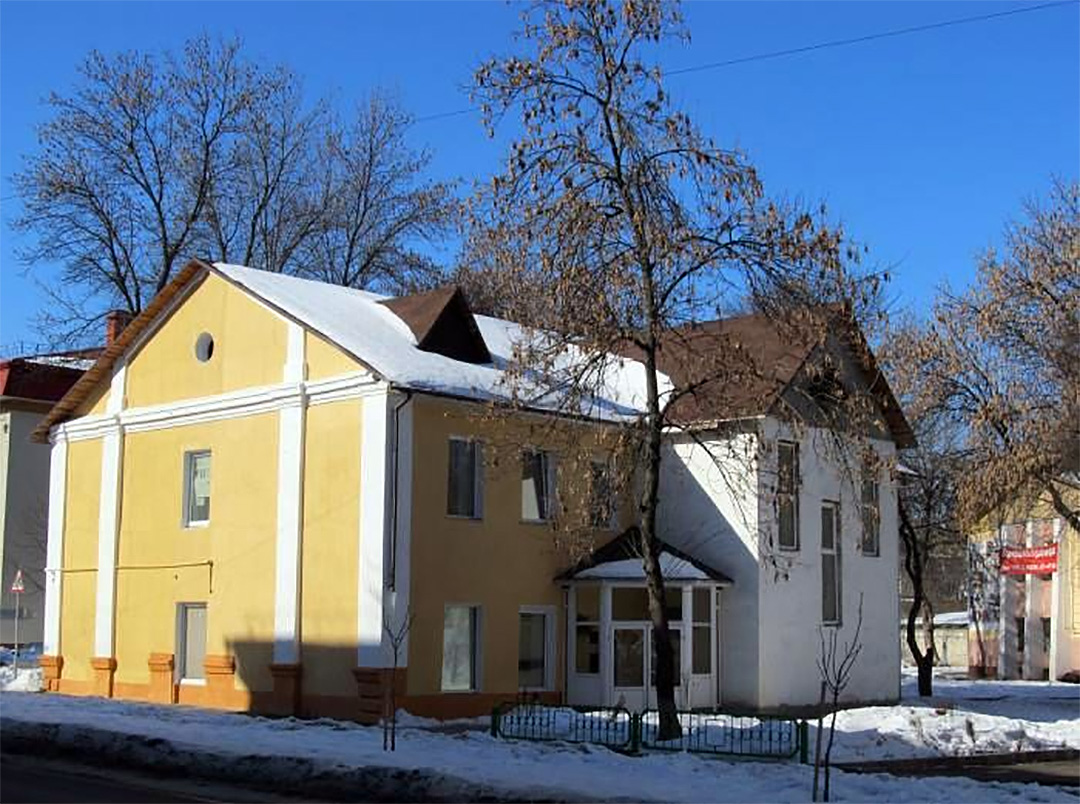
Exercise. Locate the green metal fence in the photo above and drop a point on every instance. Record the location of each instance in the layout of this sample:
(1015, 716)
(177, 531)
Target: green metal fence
(718, 733)
(612, 727)
(617, 728)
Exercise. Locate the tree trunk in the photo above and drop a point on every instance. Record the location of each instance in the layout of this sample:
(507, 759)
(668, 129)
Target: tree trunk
(913, 566)
(669, 728)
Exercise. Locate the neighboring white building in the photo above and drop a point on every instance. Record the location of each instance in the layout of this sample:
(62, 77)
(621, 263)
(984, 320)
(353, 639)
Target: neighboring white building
(29, 386)
(775, 588)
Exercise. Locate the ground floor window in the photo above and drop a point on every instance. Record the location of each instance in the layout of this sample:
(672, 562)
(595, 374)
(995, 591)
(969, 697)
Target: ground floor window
(587, 631)
(191, 641)
(830, 564)
(460, 648)
(535, 648)
(701, 645)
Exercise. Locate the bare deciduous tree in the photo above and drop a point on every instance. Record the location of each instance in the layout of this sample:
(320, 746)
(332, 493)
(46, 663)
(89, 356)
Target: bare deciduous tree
(152, 159)
(835, 665)
(616, 227)
(1001, 361)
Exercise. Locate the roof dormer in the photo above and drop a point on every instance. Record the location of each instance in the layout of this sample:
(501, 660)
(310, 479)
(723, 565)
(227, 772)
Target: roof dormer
(442, 323)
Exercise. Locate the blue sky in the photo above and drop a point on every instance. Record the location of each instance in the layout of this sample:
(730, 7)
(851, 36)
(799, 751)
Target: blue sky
(922, 145)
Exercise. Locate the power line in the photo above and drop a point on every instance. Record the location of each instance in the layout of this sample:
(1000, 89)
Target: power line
(775, 54)
(869, 37)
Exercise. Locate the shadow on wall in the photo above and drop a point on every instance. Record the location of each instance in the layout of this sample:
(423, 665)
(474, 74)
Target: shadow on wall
(326, 683)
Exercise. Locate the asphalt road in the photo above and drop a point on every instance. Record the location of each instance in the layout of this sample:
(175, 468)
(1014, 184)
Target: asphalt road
(25, 778)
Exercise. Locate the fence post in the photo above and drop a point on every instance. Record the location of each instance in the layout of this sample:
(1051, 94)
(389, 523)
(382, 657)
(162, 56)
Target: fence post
(635, 732)
(495, 720)
(804, 742)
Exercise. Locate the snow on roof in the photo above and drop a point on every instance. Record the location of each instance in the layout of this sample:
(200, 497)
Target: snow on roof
(948, 618)
(371, 332)
(630, 569)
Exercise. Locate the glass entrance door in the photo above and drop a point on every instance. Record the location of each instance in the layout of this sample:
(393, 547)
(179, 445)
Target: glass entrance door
(630, 649)
(635, 661)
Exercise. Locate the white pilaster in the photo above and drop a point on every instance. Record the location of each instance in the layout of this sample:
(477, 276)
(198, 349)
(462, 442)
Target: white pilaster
(1057, 624)
(112, 456)
(374, 454)
(607, 637)
(290, 498)
(685, 646)
(54, 551)
(398, 565)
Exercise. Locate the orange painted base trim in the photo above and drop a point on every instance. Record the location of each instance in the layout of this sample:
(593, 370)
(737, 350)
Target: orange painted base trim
(52, 667)
(69, 686)
(162, 686)
(285, 699)
(104, 671)
(449, 705)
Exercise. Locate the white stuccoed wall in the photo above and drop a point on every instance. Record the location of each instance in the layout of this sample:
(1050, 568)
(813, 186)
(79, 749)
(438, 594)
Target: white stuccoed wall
(770, 617)
(709, 508)
(790, 608)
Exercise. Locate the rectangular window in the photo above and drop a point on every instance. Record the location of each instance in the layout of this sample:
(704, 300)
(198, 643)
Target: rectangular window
(587, 630)
(465, 495)
(787, 494)
(196, 488)
(461, 645)
(871, 516)
(1020, 635)
(1047, 632)
(601, 502)
(191, 641)
(831, 592)
(702, 644)
(537, 486)
(534, 629)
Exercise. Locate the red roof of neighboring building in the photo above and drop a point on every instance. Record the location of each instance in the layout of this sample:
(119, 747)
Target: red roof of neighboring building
(45, 378)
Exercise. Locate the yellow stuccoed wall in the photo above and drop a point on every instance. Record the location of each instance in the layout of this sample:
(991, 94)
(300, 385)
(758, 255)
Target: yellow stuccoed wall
(498, 563)
(331, 548)
(240, 539)
(80, 553)
(249, 348)
(326, 360)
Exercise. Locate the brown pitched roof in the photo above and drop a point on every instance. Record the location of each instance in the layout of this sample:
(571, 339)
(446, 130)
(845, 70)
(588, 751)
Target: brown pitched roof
(757, 359)
(30, 378)
(443, 323)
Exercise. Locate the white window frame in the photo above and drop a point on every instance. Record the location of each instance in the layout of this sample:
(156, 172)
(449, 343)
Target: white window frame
(477, 446)
(796, 484)
(181, 642)
(550, 658)
(549, 462)
(836, 555)
(189, 467)
(477, 652)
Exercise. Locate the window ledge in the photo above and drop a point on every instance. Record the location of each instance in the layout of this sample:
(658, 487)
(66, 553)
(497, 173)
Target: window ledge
(193, 682)
(465, 517)
(201, 523)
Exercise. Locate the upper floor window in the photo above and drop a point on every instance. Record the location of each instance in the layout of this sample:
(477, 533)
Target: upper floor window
(871, 515)
(537, 486)
(787, 494)
(465, 492)
(196, 488)
(601, 496)
(831, 592)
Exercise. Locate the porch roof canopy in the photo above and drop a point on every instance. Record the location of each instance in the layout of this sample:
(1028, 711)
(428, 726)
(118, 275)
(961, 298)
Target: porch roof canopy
(620, 560)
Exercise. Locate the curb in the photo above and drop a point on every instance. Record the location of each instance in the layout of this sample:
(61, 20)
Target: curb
(307, 778)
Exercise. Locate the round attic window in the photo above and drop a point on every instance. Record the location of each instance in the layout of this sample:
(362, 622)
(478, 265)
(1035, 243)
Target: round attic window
(204, 347)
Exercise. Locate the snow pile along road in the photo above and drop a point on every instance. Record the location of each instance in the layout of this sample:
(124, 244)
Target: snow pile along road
(428, 762)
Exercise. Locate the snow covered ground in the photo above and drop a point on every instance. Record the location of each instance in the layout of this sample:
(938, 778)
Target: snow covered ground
(1046, 714)
(964, 717)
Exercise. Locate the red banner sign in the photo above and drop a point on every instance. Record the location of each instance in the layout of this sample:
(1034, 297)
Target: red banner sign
(1029, 560)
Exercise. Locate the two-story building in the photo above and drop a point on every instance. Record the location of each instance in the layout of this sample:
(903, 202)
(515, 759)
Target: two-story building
(264, 478)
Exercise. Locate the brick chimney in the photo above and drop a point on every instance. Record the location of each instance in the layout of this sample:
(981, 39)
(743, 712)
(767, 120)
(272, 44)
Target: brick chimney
(115, 322)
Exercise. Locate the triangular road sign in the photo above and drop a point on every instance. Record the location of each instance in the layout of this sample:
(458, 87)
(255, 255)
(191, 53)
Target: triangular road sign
(17, 585)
